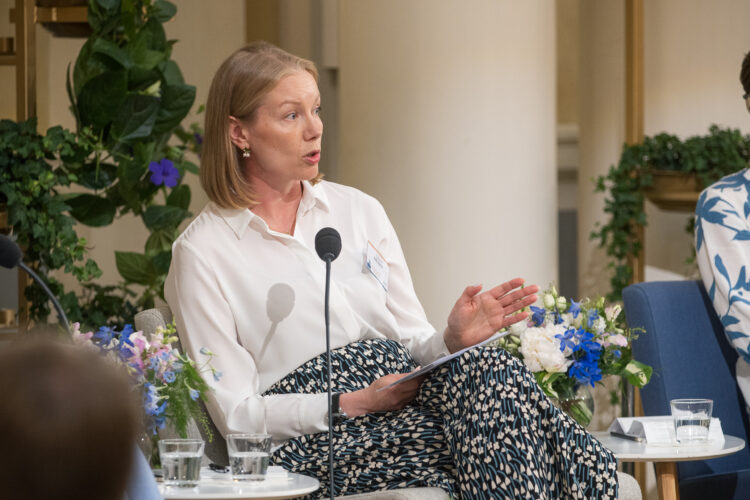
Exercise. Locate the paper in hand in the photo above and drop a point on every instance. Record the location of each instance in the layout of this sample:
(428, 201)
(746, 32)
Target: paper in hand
(443, 360)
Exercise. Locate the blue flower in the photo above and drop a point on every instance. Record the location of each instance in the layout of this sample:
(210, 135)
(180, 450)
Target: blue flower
(575, 308)
(217, 374)
(537, 315)
(194, 394)
(104, 335)
(586, 369)
(169, 376)
(127, 330)
(586, 344)
(153, 363)
(164, 172)
(151, 400)
(566, 340)
(593, 316)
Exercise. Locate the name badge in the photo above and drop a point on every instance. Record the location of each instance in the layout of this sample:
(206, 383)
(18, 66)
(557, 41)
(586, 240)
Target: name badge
(377, 265)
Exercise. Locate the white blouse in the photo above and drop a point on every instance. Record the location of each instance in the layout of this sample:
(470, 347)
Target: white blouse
(255, 298)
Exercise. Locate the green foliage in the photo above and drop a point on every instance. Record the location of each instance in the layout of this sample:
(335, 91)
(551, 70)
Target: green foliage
(39, 215)
(709, 157)
(128, 98)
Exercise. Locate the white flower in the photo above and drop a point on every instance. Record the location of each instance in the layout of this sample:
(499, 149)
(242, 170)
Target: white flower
(548, 300)
(612, 312)
(617, 339)
(562, 302)
(541, 350)
(599, 325)
(518, 328)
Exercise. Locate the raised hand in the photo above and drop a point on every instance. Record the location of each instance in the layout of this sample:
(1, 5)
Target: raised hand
(476, 316)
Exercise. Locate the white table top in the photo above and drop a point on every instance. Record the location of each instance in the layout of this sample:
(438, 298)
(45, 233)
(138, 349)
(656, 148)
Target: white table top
(214, 485)
(633, 451)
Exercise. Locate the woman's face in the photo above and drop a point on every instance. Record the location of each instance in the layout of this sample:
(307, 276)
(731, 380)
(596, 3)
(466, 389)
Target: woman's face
(285, 134)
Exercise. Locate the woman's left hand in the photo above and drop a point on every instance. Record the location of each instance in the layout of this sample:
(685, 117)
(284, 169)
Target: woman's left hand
(476, 316)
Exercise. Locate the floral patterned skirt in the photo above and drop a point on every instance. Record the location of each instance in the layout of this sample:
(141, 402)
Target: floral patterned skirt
(479, 428)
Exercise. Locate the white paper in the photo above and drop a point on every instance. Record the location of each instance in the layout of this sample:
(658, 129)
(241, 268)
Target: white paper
(442, 360)
(659, 430)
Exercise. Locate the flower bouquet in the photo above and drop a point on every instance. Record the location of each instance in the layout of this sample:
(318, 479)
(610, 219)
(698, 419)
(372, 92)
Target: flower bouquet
(170, 382)
(568, 345)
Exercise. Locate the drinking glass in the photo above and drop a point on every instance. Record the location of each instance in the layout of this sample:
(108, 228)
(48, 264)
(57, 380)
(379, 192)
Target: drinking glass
(692, 418)
(181, 461)
(249, 455)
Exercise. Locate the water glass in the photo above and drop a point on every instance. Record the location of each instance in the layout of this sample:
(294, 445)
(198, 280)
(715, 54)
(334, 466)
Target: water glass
(249, 455)
(692, 418)
(181, 461)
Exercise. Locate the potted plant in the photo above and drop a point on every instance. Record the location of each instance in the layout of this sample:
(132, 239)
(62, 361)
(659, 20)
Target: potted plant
(128, 155)
(31, 176)
(670, 172)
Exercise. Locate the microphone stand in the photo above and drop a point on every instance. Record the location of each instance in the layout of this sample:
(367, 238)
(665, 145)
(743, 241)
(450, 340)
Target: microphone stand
(328, 247)
(58, 307)
(328, 357)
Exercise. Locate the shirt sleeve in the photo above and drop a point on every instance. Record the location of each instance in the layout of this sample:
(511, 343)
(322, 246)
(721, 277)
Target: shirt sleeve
(204, 319)
(723, 255)
(414, 330)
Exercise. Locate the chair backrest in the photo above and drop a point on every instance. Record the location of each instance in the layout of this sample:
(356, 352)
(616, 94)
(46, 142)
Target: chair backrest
(141, 485)
(684, 342)
(148, 321)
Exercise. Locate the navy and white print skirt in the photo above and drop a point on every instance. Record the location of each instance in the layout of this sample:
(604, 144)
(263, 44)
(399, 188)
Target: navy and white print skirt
(480, 427)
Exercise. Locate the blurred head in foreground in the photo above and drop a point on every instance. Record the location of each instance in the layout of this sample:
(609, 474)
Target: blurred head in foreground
(68, 420)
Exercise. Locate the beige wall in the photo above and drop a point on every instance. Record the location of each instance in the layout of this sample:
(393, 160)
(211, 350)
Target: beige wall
(448, 118)
(692, 55)
(693, 52)
(601, 126)
(568, 59)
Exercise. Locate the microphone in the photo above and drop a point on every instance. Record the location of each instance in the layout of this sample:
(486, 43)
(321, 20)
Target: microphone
(328, 246)
(11, 256)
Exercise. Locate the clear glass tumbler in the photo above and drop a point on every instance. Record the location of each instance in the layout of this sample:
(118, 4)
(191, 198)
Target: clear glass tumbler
(249, 455)
(181, 461)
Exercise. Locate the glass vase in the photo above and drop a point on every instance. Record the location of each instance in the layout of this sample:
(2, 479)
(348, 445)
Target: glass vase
(578, 403)
(149, 445)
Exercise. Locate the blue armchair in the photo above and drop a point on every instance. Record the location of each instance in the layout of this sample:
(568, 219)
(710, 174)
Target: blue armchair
(685, 344)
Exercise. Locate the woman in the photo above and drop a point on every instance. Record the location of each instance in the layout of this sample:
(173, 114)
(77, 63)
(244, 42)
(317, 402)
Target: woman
(246, 283)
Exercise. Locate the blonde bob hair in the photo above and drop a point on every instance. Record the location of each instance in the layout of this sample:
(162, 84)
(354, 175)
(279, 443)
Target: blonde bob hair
(238, 89)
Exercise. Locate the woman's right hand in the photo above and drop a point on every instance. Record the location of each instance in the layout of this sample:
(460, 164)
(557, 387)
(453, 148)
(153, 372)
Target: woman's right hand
(369, 400)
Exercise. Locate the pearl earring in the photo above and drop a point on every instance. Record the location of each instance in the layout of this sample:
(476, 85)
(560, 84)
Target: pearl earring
(246, 152)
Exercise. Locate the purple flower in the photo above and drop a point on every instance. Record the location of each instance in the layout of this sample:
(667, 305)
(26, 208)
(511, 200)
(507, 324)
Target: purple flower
(164, 172)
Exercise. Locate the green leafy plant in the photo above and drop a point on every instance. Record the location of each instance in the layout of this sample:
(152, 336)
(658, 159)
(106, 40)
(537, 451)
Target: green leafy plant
(32, 171)
(129, 154)
(709, 157)
(131, 97)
